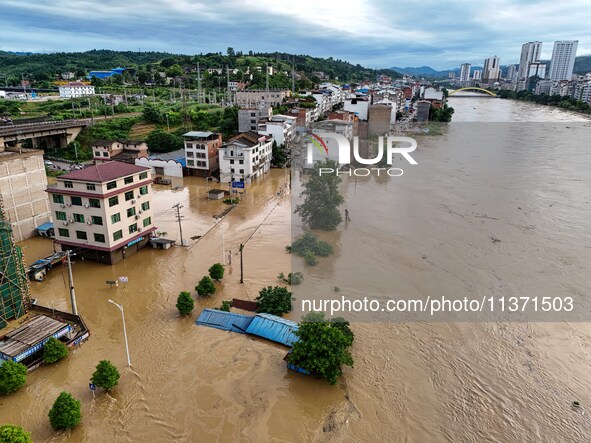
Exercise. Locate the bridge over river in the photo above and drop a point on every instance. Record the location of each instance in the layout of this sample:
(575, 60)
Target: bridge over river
(50, 133)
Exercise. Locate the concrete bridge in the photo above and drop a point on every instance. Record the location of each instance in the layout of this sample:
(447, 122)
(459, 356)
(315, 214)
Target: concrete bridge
(42, 134)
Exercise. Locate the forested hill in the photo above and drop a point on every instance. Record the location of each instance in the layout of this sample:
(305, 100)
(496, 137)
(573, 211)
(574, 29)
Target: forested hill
(44, 67)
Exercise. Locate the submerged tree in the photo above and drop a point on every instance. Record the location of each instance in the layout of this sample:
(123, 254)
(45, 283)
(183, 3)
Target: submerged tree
(185, 303)
(106, 375)
(205, 286)
(13, 376)
(14, 434)
(65, 413)
(322, 198)
(54, 350)
(274, 300)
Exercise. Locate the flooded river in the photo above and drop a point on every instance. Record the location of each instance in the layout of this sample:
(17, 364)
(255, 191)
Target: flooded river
(412, 381)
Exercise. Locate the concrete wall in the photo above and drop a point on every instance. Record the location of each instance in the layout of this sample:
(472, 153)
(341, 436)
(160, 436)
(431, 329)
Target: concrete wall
(171, 168)
(22, 191)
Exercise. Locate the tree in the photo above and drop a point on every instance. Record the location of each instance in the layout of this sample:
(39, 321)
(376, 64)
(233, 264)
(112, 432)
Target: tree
(54, 350)
(65, 413)
(226, 305)
(106, 375)
(175, 71)
(14, 434)
(13, 376)
(162, 141)
(205, 286)
(279, 157)
(322, 198)
(321, 349)
(274, 300)
(185, 303)
(216, 271)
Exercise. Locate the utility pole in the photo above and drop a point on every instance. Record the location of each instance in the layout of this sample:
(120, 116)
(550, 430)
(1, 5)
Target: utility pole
(198, 84)
(292, 79)
(71, 281)
(241, 264)
(228, 83)
(267, 79)
(178, 207)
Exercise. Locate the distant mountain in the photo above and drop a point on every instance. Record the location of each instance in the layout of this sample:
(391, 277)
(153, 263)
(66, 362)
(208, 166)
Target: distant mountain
(425, 71)
(582, 64)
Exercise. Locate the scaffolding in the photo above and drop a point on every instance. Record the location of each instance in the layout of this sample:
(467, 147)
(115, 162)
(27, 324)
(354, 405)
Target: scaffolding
(15, 292)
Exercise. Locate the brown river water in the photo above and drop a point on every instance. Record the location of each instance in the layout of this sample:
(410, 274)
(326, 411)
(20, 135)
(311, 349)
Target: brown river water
(412, 381)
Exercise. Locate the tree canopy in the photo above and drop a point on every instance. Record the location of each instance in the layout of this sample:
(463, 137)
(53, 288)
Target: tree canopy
(106, 375)
(185, 303)
(13, 376)
(54, 350)
(14, 434)
(65, 413)
(274, 300)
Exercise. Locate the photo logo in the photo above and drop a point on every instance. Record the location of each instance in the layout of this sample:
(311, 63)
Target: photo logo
(338, 148)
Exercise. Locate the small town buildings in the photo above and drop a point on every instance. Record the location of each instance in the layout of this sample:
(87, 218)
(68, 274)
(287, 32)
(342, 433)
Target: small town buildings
(422, 110)
(380, 118)
(359, 104)
(22, 185)
(281, 128)
(107, 74)
(236, 85)
(171, 164)
(246, 157)
(249, 118)
(121, 150)
(201, 153)
(76, 89)
(104, 211)
(253, 97)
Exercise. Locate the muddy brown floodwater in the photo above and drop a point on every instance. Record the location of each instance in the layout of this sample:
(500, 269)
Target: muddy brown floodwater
(412, 381)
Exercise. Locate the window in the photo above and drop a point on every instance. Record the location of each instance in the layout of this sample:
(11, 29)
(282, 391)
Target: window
(90, 187)
(147, 221)
(97, 153)
(128, 180)
(94, 202)
(190, 155)
(79, 218)
(61, 216)
(129, 195)
(111, 185)
(81, 235)
(131, 212)
(105, 154)
(115, 218)
(143, 175)
(76, 201)
(113, 201)
(241, 162)
(58, 198)
(242, 171)
(100, 238)
(190, 145)
(118, 235)
(231, 162)
(68, 184)
(96, 220)
(144, 190)
(133, 228)
(145, 206)
(63, 232)
(191, 162)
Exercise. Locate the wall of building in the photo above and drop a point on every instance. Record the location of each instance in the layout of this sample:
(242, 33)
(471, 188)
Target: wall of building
(170, 167)
(22, 190)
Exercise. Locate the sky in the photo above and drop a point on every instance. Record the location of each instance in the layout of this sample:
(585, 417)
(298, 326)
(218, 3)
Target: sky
(375, 33)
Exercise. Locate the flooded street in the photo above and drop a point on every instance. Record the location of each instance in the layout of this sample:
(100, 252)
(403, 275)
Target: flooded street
(427, 233)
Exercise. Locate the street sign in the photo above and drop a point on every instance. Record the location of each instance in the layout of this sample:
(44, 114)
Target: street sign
(92, 386)
(238, 185)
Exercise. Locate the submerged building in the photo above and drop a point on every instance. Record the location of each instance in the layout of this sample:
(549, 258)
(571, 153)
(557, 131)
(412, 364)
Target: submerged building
(14, 284)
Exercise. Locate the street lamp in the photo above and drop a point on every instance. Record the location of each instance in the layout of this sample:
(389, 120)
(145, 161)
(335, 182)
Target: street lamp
(124, 331)
(75, 150)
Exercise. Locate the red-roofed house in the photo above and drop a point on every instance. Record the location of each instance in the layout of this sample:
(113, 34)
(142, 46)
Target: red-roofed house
(103, 211)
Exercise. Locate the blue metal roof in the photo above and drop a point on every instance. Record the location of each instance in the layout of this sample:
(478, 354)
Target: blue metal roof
(182, 161)
(45, 226)
(227, 321)
(273, 328)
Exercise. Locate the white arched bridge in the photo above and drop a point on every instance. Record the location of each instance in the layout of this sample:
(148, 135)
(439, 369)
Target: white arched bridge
(474, 88)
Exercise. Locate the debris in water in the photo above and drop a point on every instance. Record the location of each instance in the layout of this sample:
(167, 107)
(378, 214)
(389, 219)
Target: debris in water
(495, 240)
(576, 404)
(337, 289)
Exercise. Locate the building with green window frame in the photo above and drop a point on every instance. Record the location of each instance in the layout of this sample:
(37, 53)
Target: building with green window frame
(103, 211)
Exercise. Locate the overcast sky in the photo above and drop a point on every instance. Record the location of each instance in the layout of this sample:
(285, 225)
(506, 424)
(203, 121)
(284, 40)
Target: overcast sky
(378, 33)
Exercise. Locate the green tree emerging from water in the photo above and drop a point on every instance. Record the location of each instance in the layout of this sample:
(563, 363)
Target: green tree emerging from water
(54, 350)
(14, 434)
(322, 199)
(13, 376)
(65, 413)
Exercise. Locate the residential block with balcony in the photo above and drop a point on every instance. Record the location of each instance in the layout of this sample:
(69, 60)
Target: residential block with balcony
(201, 153)
(245, 157)
(103, 212)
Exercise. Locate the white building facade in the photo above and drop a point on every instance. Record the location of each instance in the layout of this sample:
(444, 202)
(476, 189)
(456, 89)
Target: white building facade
(246, 157)
(76, 89)
(563, 59)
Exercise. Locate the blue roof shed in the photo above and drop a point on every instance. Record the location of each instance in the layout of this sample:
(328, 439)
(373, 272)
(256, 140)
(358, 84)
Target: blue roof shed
(227, 321)
(273, 328)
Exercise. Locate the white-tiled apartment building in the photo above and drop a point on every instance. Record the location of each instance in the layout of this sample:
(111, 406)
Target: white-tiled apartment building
(245, 157)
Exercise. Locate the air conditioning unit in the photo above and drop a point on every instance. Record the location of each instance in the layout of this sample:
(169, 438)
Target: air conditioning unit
(68, 204)
(70, 220)
(139, 229)
(141, 212)
(86, 205)
(66, 223)
(62, 206)
(89, 222)
(137, 217)
(133, 202)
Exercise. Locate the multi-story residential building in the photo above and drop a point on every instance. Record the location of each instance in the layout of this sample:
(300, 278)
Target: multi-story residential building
(477, 74)
(22, 185)
(120, 150)
(245, 157)
(492, 69)
(281, 128)
(543, 87)
(530, 53)
(236, 85)
(512, 73)
(76, 89)
(380, 118)
(563, 59)
(201, 152)
(103, 211)
(249, 118)
(253, 97)
(357, 104)
(465, 72)
(536, 69)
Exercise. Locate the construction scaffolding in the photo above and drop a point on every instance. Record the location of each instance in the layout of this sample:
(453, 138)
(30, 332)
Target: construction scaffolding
(15, 292)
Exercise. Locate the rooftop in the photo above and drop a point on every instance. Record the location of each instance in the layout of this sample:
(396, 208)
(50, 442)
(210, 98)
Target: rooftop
(198, 134)
(24, 339)
(248, 138)
(104, 172)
